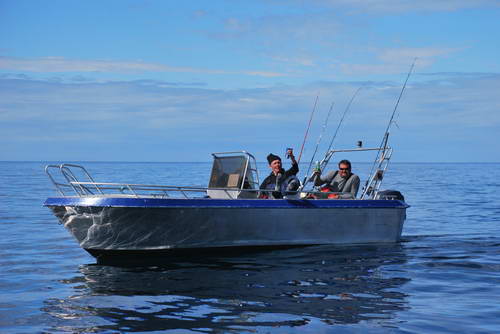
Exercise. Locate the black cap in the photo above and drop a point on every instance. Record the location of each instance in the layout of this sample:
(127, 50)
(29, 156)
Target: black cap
(271, 157)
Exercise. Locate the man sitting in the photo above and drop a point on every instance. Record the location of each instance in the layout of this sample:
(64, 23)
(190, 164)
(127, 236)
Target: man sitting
(342, 181)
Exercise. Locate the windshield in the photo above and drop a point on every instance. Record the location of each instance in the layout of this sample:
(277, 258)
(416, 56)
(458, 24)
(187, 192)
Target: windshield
(227, 172)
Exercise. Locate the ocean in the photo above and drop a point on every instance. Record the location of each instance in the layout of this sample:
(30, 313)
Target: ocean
(444, 277)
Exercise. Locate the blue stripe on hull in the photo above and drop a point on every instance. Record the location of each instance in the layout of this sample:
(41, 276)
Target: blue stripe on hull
(223, 203)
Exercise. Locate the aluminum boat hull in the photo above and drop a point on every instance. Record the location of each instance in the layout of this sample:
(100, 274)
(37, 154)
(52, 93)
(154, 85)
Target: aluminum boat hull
(112, 224)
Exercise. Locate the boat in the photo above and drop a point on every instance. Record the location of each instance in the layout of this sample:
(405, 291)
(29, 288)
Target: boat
(121, 219)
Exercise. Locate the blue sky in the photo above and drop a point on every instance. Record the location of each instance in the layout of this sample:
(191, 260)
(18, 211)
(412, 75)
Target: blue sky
(175, 81)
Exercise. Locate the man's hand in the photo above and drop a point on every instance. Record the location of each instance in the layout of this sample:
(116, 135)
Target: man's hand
(289, 153)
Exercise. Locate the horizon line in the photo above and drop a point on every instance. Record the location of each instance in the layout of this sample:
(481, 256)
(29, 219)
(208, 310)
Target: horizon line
(302, 163)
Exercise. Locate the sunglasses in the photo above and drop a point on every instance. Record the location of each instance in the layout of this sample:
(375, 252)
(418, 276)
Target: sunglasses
(345, 169)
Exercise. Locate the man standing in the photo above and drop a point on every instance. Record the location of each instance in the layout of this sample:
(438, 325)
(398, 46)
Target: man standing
(279, 179)
(342, 181)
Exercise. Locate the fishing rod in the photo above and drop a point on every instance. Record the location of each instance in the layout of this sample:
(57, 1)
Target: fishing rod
(329, 153)
(385, 138)
(320, 137)
(307, 131)
(399, 99)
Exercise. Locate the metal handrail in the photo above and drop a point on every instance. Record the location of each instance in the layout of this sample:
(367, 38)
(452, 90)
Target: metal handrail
(91, 188)
(72, 181)
(375, 180)
(58, 185)
(136, 188)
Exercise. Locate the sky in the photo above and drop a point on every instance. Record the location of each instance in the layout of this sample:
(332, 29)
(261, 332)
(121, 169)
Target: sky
(177, 80)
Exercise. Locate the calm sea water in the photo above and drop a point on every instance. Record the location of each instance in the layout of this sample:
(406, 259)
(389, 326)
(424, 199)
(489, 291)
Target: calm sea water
(443, 278)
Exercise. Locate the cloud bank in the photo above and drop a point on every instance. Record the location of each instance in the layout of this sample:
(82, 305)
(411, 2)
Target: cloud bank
(39, 117)
(61, 64)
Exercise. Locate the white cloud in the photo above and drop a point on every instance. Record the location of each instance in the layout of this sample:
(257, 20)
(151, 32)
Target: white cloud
(320, 42)
(426, 56)
(369, 69)
(280, 28)
(61, 65)
(446, 108)
(397, 60)
(302, 61)
(399, 6)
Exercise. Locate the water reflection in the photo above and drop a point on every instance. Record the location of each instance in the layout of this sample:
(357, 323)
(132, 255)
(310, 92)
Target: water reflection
(312, 286)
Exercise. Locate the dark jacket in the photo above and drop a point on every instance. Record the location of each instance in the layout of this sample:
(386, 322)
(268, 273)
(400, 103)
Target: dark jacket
(269, 182)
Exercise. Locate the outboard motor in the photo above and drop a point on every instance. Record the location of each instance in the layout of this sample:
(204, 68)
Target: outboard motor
(390, 194)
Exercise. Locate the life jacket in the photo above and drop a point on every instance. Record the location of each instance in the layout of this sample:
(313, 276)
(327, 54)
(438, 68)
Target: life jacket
(327, 189)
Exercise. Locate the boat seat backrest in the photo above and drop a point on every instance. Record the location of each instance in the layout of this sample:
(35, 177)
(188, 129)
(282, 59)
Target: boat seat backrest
(233, 180)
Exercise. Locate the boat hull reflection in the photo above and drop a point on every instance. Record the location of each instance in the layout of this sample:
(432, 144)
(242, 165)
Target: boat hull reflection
(313, 286)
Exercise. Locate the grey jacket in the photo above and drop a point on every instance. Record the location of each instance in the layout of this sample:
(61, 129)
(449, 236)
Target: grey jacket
(349, 187)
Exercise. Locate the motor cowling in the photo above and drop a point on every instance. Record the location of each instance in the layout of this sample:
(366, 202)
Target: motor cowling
(390, 195)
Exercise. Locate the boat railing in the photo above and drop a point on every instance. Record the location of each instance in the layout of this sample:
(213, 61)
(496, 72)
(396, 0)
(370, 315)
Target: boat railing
(90, 188)
(142, 190)
(165, 191)
(372, 186)
(69, 173)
